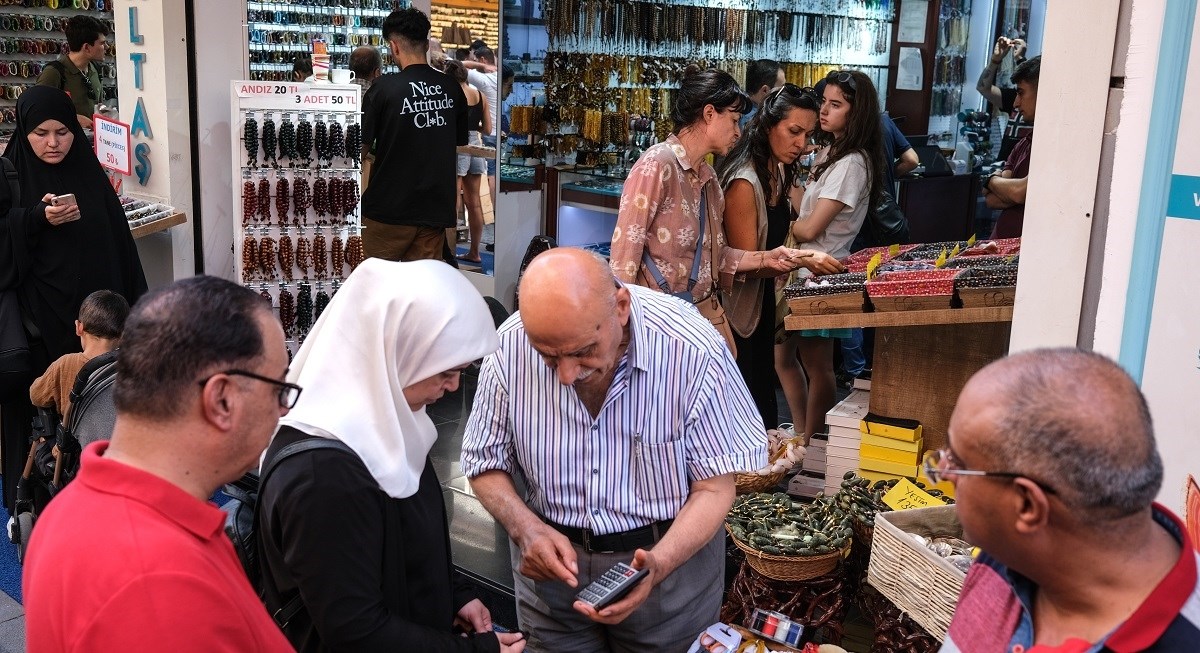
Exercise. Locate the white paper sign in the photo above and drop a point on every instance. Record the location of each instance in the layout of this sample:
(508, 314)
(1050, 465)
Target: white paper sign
(112, 143)
(913, 14)
(910, 75)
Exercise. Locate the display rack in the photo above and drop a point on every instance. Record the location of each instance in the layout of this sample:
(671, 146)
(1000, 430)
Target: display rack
(609, 62)
(30, 38)
(457, 27)
(296, 180)
(278, 32)
(950, 62)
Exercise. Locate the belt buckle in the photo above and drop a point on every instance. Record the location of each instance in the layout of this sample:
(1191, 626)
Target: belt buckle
(585, 534)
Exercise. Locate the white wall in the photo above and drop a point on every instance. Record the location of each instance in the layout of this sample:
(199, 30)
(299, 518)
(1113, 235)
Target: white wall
(221, 52)
(162, 25)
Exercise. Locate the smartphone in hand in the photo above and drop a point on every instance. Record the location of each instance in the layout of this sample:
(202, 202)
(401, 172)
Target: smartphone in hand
(63, 200)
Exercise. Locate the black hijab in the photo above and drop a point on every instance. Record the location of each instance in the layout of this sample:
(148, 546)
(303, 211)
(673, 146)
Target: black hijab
(60, 265)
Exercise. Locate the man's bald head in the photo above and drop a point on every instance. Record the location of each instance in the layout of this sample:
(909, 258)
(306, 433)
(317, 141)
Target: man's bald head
(575, 314)
(566, 281)
(1075, 421)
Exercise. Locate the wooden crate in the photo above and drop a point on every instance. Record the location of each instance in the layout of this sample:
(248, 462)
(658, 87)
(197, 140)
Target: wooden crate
(922, 584)
(987, 297)
(910, 302)
(851, 302)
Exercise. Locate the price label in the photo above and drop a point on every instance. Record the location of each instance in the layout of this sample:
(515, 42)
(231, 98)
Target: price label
(971, 240)
(893, 251)
(873, 265)
(954, 252)
(112, 144)
(941, 260)
(907, 495)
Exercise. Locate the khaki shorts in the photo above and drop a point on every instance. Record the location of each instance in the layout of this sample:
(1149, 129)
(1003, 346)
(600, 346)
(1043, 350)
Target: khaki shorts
(402, 242)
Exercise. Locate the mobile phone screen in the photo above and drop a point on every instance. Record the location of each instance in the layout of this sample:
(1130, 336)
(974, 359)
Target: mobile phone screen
(63, 200)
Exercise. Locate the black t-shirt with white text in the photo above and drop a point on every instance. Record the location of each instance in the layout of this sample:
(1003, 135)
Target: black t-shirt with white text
(415, 119)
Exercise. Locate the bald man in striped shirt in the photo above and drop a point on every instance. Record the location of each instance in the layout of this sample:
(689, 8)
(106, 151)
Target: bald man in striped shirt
(625, 414)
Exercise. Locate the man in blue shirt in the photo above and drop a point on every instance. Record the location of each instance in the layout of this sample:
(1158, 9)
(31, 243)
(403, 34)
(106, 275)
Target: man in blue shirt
(762, 77)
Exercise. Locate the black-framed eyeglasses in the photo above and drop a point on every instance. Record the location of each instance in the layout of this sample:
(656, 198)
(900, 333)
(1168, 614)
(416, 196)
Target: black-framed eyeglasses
(842, 77)
(289, 393)
(942, 463)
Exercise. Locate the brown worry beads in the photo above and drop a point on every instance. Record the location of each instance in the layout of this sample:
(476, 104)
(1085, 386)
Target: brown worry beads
(336, 254)
(303, 254)
(286, 256)
(264, 199)
(301, 199)
(283, 198)
(354, 251)
(249, 202)
(249, 258)
(266, 257)
(320, 257)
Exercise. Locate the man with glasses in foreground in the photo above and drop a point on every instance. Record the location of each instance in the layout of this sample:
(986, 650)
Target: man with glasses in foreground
(131, 556)
(1055, 468)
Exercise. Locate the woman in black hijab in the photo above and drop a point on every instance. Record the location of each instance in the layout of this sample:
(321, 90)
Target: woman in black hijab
(57, 255)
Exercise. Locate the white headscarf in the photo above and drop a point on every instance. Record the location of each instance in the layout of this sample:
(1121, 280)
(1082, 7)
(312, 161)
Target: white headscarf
(390, 325)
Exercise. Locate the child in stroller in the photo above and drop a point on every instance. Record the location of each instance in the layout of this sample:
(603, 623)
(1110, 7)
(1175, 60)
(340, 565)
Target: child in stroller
(74, 407)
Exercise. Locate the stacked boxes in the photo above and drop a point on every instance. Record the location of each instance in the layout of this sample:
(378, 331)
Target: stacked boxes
(810, 480)
(841, 452)
(889, 447)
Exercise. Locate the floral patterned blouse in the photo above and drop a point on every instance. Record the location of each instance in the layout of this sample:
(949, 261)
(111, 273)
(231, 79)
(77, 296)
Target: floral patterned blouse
(658, 213)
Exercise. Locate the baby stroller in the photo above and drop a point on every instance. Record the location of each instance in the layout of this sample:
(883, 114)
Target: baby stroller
(54, 453)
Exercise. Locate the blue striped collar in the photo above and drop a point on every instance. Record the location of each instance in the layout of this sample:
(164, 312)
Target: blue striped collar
(639, 357)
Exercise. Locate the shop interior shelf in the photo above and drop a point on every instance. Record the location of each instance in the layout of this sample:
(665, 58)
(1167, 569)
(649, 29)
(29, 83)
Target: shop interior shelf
(900, 318)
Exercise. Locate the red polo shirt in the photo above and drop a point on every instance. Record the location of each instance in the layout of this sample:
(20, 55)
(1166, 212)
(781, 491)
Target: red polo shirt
(123, 560)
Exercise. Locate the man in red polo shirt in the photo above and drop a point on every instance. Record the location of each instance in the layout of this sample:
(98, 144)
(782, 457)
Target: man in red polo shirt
(131, 556)
(1055, 468)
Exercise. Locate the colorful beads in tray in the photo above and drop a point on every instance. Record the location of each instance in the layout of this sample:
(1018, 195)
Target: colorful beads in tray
(959, 262)
(857, 262)
(999, 246)
(830, 284)
(914, 283)
(989, 277)
(929, 251)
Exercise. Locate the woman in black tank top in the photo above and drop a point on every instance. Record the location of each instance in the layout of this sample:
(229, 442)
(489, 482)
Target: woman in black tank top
(471, 168)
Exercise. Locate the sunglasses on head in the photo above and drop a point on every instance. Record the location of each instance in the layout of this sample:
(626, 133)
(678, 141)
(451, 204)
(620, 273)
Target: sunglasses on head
(842, 77)
(796, 92)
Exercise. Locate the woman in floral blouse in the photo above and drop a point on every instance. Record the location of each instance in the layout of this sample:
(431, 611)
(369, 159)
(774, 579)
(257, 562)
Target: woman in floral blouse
(659, 241)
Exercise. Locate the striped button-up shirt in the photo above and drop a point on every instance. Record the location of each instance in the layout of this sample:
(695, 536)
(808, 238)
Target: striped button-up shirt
(677, 412)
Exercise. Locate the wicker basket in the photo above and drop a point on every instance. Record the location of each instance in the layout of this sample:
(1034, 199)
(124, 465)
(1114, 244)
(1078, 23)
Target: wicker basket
(789, 568)
(919, 582)
(751, 483)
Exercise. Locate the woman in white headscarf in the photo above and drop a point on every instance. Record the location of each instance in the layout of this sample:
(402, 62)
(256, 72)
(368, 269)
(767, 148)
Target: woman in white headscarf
(360, 535)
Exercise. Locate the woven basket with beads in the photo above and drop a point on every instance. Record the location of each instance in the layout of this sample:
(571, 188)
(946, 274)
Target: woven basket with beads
(789, 567)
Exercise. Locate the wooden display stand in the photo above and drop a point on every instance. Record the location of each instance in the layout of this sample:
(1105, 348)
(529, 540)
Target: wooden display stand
(923, 358)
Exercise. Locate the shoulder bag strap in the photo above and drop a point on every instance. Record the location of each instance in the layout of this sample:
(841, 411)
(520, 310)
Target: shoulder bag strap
(293, 606)
(658, 277)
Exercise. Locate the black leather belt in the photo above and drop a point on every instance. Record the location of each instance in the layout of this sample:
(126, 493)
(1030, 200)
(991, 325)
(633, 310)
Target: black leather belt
(630, 540)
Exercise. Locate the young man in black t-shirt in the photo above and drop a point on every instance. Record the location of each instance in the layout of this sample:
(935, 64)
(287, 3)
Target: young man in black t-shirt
(414, 119)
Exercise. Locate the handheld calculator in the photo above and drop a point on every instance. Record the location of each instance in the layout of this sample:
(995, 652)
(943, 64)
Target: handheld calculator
(611, 585)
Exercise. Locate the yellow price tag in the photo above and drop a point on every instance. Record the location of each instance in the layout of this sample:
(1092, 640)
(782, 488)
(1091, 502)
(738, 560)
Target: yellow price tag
(873, 265)
(1011, 258)
(971, 240)
(941, 260)
(894, 250)
(954, 252)
(907, 495)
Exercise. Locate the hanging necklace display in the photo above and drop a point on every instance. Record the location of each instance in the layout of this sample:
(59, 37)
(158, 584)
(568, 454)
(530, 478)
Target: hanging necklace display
(286, 255)
(266, 257)
(320, 256)
(249, 198)
(320, 197)
(283, 198)
(321, 140)
(250, 140)
(268, 141)
(287, 140)
(336, 255)
(287, 310)
(264, 196)
(337, 139)
(354, 142)
(303, 254)
(354, 251)
(249, 258)
(333, 199)
(304, 310)
(301, 198)
(304, 141)
(322, 300)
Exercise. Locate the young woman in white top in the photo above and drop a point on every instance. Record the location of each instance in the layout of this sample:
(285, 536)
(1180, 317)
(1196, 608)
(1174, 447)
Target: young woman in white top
(845, 182)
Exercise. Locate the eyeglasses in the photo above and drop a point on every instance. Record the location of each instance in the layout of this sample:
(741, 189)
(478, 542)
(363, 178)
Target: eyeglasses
(940, 464)
(289, 393)
(842, 77)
